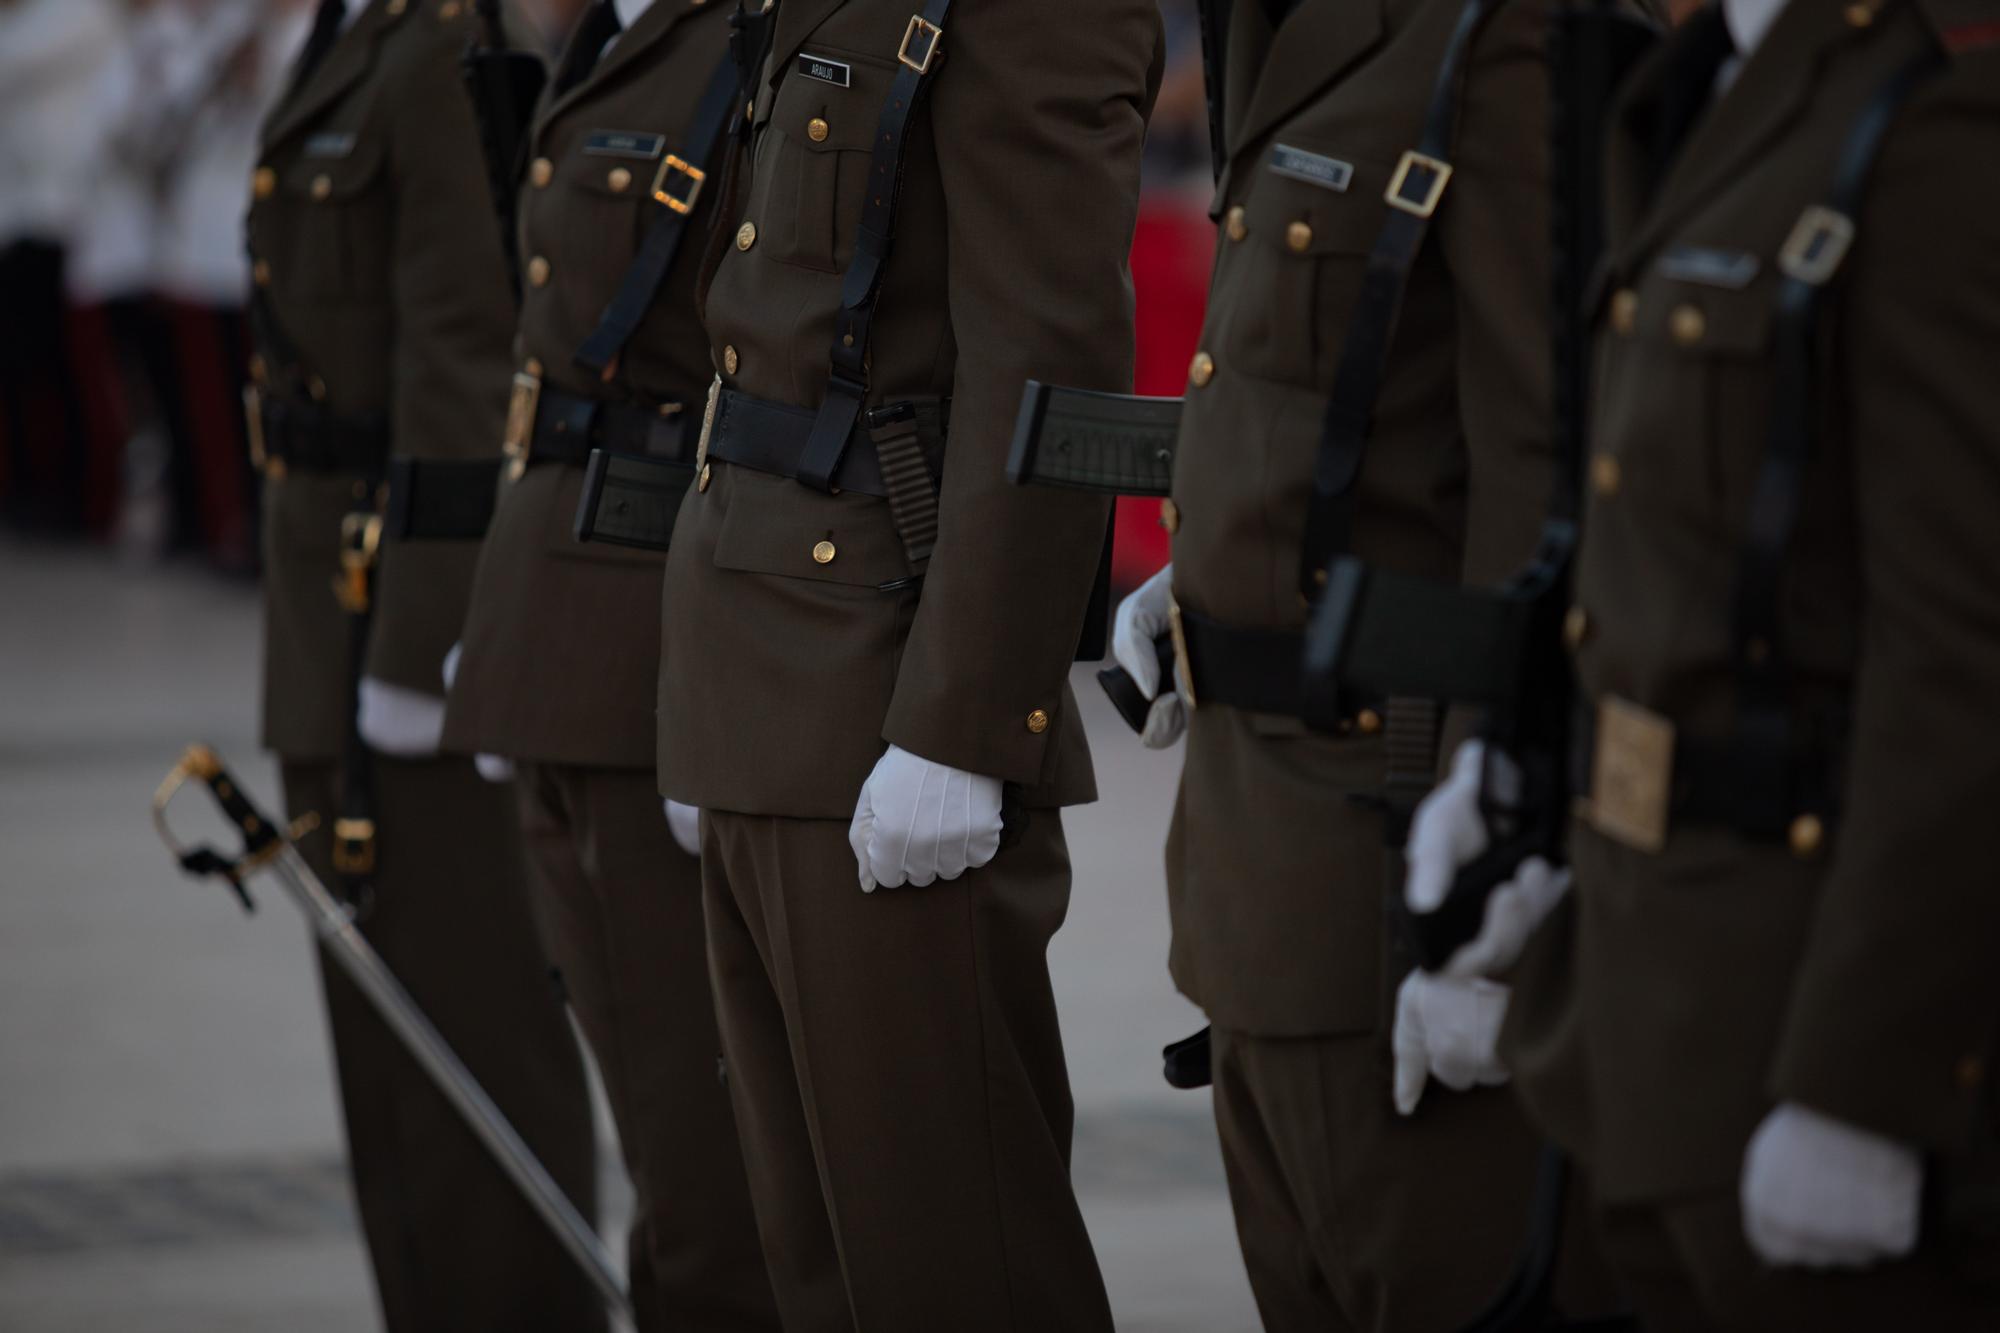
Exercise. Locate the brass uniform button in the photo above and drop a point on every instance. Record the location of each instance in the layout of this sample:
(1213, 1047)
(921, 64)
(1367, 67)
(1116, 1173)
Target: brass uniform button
(317, 388)
(1687, 324)
(1299, 237)
(397, 6)
(620, 180)
(817, 130)
(1624, 311)
(541, 172)
(823, 553)
(1605, 474)
(1038, 722)
(1368, 722)
(1807, 835)
(260, 370)
(533, 367)
(1969, 1073)
(1170, 517)
(260, 273)
(265, 183)
(1235, 226)
(746, 236)
(1201, 370)
(274, 469)
(730, 363)
(538, 272)
(701, 482)
(448, 11)
(1576, 627)
(322, 188)
(1860, 16)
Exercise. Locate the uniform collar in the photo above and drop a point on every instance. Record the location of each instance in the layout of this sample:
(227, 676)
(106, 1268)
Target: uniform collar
(630, 10)
(1749, 21)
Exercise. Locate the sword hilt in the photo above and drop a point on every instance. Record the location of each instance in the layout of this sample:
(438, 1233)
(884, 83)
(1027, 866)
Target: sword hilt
(262, 839)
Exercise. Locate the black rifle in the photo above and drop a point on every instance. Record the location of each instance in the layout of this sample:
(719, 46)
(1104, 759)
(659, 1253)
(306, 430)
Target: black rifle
(504, 85)
(1108, 444)
(1501, 650)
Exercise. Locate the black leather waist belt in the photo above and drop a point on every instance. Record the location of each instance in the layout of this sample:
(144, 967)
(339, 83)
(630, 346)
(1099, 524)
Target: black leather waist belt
(771, 437)
(440, 500)
(569, 425)
(1256, 670)
(1769, 793)
(308, 438)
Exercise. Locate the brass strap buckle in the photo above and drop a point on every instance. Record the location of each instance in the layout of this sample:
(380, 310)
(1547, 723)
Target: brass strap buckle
(1435, 175)
(354, 846)
(931, 33)
(360, 544)
(696, 177)
(520, 436)
(1812, 254)
(1183, 669)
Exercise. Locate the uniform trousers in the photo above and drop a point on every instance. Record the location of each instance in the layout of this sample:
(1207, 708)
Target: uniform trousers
(1689, 1269)
(1352, 1217)
(899, 1080)
(621, 909)
(452, 1243)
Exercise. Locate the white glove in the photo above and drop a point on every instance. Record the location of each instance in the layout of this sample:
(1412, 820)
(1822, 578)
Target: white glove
(397, 721)
(1447, 1028)
(1448, 834)
(1823, 1194)
(918, 821)
(684, 822)
(1141, 619)
(493, 768)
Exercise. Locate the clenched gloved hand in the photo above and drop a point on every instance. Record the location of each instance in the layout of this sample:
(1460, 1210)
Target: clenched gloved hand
(395, 720)
(1448, 834)
(684, 822)
(1142, 619)
(1820, 1193)
(918, 822)
(1447, 1028)
(492, 767)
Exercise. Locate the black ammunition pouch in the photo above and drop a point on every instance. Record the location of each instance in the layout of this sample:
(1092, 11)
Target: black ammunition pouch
(568, 426)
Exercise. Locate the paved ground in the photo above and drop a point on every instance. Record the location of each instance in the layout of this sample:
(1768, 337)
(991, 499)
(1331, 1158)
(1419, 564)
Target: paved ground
(169, 1154)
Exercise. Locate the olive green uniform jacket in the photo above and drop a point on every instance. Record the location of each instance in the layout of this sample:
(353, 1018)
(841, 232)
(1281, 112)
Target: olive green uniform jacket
(1690, 989)
(783, 676)
(375, 253)
(561, 660)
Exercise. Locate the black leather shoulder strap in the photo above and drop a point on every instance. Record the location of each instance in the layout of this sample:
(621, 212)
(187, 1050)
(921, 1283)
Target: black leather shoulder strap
(1810, 260)
(847, 387)
(1413, 196)
(676, 191)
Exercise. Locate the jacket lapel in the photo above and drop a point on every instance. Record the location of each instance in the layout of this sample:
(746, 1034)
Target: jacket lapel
(1769, 93)
(660, 19)
(1313, 47)
(343, 67)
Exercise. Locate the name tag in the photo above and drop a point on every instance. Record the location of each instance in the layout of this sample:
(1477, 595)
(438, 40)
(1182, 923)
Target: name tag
(1329, 173)
(625, 143)
(836, 72)
(330, 145)
(1731, 269)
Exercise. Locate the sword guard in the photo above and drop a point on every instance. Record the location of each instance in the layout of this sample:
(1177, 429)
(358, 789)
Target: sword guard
(262, 839)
